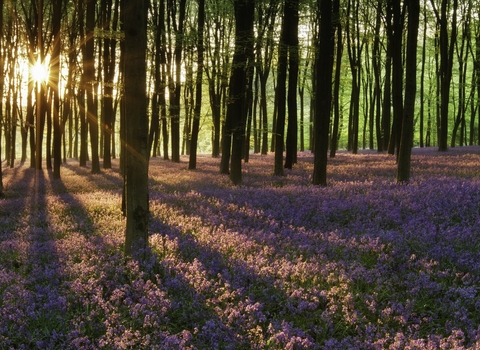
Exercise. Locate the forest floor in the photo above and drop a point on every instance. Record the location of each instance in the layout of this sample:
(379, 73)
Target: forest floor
(276, 263)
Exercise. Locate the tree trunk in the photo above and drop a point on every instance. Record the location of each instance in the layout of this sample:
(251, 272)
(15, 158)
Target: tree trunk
(446, 49)
(109, 23)
(198, 87)
(280, 91)
(237, 108)
(134, 15)
(323, 92)
(54, 80)
(176, 87)
(158, 89)
(89, 72)
(336, 87)
(40, 117)
(293, 58)
(406, 141)
(397, 78)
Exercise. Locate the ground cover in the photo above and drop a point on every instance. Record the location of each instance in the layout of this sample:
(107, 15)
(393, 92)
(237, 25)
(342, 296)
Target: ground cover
(275, 263)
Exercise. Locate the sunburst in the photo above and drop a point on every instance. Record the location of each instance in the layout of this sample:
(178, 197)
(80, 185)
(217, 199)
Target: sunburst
(39, 72)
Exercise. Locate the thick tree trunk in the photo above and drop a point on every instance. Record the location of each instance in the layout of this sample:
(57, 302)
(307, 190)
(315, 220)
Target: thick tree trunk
(134, 14)
(237, 108)
(323, 92)
(406, 140)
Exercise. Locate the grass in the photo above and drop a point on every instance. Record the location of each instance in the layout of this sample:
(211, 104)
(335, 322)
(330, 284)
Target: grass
(274, 263)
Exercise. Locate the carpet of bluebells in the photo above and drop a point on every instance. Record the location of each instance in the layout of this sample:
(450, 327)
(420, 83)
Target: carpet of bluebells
(276, 263)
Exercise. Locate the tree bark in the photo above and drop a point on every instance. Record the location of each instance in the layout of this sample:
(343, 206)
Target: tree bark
(293, 62)
(323, 93)
(134, 13)
(54, 80)
(406, 139)
(237, 108)
(198, 87)
(446, 48)
(89, 71)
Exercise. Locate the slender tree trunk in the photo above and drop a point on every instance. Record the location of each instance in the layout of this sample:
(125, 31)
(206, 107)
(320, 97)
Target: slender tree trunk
(397, 78)
(109, 24)
(336, 87)
(154, 135)
(40, 118)
(198, 87)
(354, 53)
(293, 62)
(176, 90)
(376, 63)
(446, 48)
(54, 79)
(89, 71)
(422, 78)
(280, 92)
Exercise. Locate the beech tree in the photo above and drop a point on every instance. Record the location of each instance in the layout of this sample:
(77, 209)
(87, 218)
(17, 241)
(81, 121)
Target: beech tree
(54, 83)
(198, 85)
(447, 14)
(406, 139)
(234, 129)
(323, 91)
(134, 19)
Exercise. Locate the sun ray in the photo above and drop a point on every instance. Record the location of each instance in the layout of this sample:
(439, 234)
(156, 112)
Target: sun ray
(39, 72)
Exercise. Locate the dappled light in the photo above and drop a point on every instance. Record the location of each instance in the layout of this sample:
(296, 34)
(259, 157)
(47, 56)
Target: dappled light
(275, 263)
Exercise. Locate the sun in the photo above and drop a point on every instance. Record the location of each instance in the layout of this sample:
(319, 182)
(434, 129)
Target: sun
(39, 72)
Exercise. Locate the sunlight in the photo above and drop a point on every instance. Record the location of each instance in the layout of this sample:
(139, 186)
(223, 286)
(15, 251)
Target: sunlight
(39, 72)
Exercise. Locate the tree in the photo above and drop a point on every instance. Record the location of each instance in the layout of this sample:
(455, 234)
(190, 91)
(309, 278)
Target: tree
(134, 15)
(109, 19)
(293, 63)
(397, 74)
(175, 87)
(323, 92)
(264, 50)
(406, 138)
(198, 88)
(446, 51)
(219, 21)
(234, 129)
(54, 80)
(355, 47)
(280, 92)
(337, 23)
(89, 74)
(158, 95)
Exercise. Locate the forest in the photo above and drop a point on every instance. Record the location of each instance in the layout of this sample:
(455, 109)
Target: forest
(239, 174)
(62, 78)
